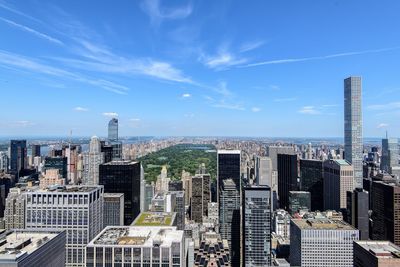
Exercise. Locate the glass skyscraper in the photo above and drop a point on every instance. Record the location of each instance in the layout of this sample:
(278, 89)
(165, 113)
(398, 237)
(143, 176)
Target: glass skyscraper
(113, 130)
(353, 140)
(18, 156)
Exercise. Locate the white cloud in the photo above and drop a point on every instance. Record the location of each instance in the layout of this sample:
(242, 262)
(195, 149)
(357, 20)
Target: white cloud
(255, 109)
(81, 109)
(222, 60)
(110, 114)
(382, 125)
(388, 106)
(23, 124)
(135, 119)
(32, 31)
(186, 95)
(157, 13)
(251, 46)
(310, 110)
(223, 104)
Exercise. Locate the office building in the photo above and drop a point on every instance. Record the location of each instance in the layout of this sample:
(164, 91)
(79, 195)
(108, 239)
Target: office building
(186, 179)
(35, 151)
(14, 212)
(201, 196)
(163, 202)
(287, 177)
(213, 214)
(148, 196)
(281, 223)
(113, 130)
(299, 201)
(94, 158)
(386, 212)
(51, 177)
(321, 242)
(273, 151)
(116, 150)
(376, 254)
(212, 251)
(162, 183)
(263, 171)
(229, 217)
(59, 163)
(338, 179)
(353, 132)
(76, 209)
(311, 180)
(113, 214)
(27, 248)
(4, 161)
(228, 167)
(18, 157)
(358, 211)
(179, 209)
(256, 226)
(175, 185)
(107, 151)
(137, 246)
(123, 177)
(390, 154)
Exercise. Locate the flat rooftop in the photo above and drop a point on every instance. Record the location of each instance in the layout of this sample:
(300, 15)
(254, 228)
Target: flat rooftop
(63, 189)
(121, 162)
(381, 249)
(137, 236)
(154, 219)
(228, 151)
(342, 162)
(322, 224)
(112, 195)
(18, 243)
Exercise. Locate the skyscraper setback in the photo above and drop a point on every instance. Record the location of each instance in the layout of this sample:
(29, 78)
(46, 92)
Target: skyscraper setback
(353, 138)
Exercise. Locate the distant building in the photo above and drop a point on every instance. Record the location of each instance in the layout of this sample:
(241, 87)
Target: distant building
(281, 223)
(287, 177)
(186, 179)
(376, 254)
(338, 179)
(179, 209)
(14, 213)
(256, 226)
(137, 246)
(299, 201)
(35, 151)
(386, 212)
(390, 155)
(273, 151)
(18, 157)
(95, 158)
(76, 209)
(123, 177)
(148, 196)
(229, 217)
(175, 185)
(4, 161)
(201, 196)
(212, 251)
(51, 177)
(113, 214)
(59, 163)
(311, 180)
(163, 202)
(353, 133)
(213, 214)
(113, 130)
(263, 171)
(358, 211)
(228, 167)
(321, 242)
(26, 248)
(162, 183)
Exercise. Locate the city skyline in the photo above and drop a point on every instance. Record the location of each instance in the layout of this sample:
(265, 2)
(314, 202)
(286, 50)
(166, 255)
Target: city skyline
(196, 68)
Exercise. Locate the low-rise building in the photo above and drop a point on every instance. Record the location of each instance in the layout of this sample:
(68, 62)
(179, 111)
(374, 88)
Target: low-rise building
(376, 254)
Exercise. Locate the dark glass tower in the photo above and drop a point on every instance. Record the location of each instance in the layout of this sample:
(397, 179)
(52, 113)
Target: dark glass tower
(311, 180)
(18, 156)
(123, 177)
(59, 163)
(357, 211)
(287, 178)
(35, 151)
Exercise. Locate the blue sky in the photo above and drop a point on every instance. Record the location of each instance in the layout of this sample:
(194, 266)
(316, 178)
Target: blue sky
(249, 68)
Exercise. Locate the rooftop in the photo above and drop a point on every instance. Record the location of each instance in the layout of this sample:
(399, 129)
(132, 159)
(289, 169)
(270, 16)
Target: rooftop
(342, 162)
(63, 189)
(322, 224)
(121, 162)
(137, 236)
(15, 244)
(381, 249)
(112, 195)
(225, 151)
(155, 219)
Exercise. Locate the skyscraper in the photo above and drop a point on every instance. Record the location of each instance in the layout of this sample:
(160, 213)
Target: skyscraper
(263, 171)
(123, 177)
(311, 180)
(353, 138)
(256, 226)
(299, 201)
(113, 130)
(228, 166)
(357, 211)
(287, 177)
(95, 158)
(113, 214)
(59, 163)
(18, 156)
(35, 151)
(201, 196)
(390, 155)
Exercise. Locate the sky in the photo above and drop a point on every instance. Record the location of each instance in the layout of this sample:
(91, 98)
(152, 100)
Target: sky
(197, 68)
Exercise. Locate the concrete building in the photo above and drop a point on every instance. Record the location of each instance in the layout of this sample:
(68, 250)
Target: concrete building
(299, 201)
(186, 178)
(60, 163)
(273, 151)
(311, 180)
(153, 218)
(201, 196)
(95, 158)
(14, 212)
(263, 171)
(137, 246)
(162, 183)
(256, 226)
(281, 223)
(179, 209)
(212, 251)
(353, 132)
(163, 202)
(76, 209)
(213, 214)
(113, 214)
(338, 179)
(27, 248)
(4, 161)
(51, 177)
(358, 211)
(376, 254)
(386, 212)
(321, 242)
(229, 217)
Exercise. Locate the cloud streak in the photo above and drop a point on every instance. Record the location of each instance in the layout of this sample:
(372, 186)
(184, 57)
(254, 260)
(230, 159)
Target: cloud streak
(32, 31)
(304, 59)
(157, 13)
(251, 46)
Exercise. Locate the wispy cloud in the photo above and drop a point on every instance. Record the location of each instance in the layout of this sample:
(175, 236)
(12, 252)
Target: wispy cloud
(22, 124)
(255, 109)
(186, 95)
(225, 98)
(110, 114)
(346, 54)
(81, 109)
(309, 110)
(135, 119)
(251, 46)
(157, 13)
(388, 106)
(289, 99)
(8, 59)
(382, 125)
(225, 105)
(7, 7)
(222, 60)
(32, 31)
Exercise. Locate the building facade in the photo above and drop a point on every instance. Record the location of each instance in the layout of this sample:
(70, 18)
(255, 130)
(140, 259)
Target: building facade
(287, 177)
(201, 196)
(113, 209)
(376, 254)
(311, 180)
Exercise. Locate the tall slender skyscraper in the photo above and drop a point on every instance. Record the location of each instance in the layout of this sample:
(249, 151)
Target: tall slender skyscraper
(18, 156)
(353, 140)
(390, 154)
(113, 129)
(95, 158)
